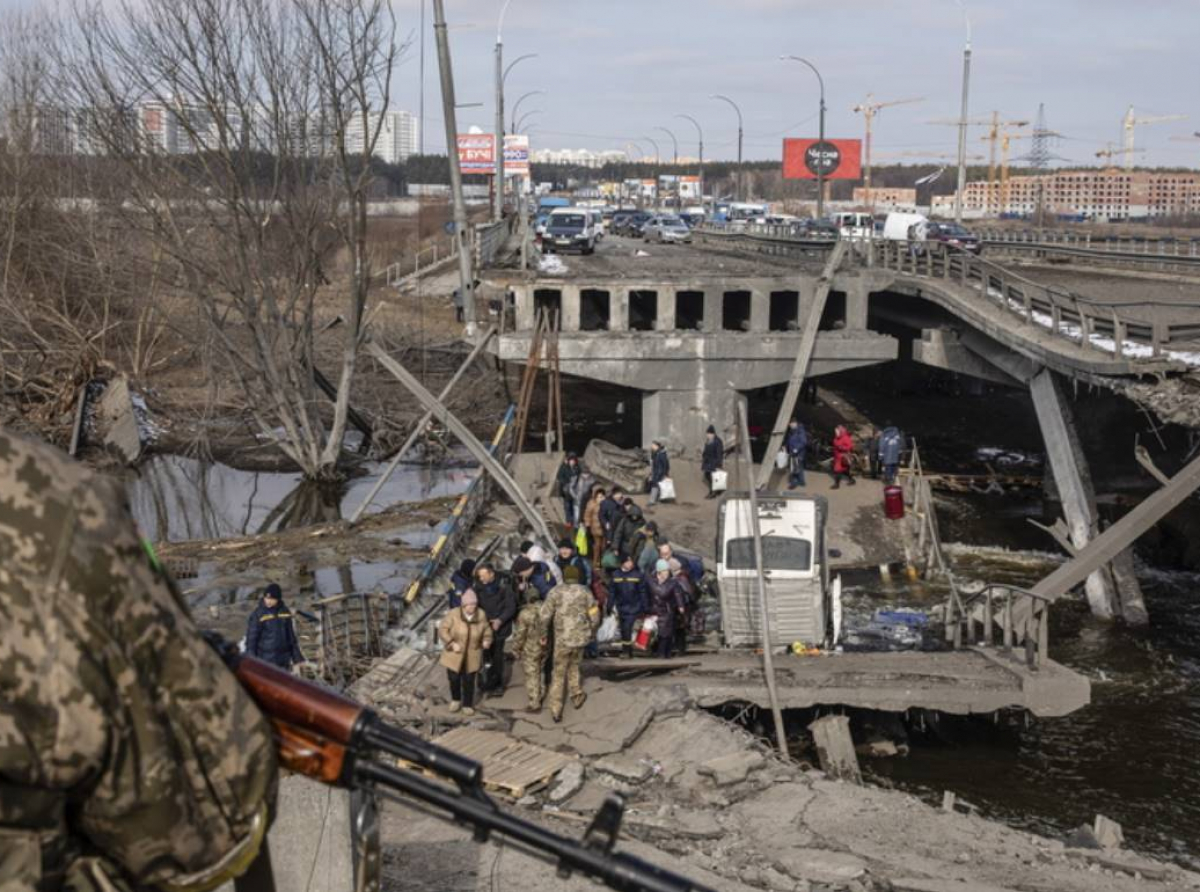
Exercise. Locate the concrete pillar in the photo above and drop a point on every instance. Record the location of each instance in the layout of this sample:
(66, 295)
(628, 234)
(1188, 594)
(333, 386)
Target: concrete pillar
(526, 317)
(760, 310)
(857, 297)
(665, 316)
(570, 308)
(680, 417)
(713, 304)
(1068, 464)
(808, 293)
(618, 309)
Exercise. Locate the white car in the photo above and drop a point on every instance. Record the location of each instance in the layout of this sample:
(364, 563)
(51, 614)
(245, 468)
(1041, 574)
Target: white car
(666, 229)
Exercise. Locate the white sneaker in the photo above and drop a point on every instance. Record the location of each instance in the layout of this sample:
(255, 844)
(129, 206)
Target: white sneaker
(468, 711)
(455, 706)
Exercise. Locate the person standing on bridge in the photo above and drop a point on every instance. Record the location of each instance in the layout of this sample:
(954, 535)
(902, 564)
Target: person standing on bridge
(712, 458)
(795, 444)
(843, 454)
(569, 617)
(568, 476)
(891, 445)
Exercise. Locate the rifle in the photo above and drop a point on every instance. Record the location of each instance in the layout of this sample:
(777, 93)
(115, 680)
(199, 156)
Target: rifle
(337, 741)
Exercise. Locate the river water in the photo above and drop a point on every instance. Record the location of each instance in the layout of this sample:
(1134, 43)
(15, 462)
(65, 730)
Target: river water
(1131, 755)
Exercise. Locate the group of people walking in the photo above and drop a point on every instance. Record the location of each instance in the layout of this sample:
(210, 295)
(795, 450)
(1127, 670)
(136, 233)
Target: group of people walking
(884, 450)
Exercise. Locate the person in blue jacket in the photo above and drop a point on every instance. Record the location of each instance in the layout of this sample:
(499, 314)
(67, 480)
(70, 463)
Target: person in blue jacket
(795, 443)
(891, 446)
(630, 598)
(533, 574)
(568, 556)
(270, 634)
(461, 580)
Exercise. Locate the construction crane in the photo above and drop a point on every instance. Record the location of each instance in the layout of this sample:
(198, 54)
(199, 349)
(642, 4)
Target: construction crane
(1110, 153)
(869, 110)
(1132, 122)
(995, 135)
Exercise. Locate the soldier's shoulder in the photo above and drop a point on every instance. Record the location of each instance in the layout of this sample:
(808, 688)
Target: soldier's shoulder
(38, 483)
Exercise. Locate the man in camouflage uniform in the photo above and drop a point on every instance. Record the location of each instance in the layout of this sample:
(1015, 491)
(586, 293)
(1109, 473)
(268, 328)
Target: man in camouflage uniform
(572, 611)
(529, 644)
(129, 755)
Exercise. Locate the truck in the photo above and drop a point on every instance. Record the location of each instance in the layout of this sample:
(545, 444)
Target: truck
(801, 601)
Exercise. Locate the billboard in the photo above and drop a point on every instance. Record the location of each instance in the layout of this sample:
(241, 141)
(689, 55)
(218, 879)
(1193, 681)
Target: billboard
(516, 156)
(476, 153)
(840, 158)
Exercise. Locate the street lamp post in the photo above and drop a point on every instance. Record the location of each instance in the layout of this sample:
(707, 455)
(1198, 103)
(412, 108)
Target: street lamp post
(525, 117)
(820, 135)
(657, 156)
(498, 149)
(517, 107)
(700, 134)
(739, 157)
(962, 121)
(674, 160)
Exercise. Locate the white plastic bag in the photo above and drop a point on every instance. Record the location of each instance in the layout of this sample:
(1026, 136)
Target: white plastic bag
(720, 480)
(610, 630)
(666, 490)
(781, 459)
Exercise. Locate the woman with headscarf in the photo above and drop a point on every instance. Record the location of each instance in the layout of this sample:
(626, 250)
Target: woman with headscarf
(843, 449)
(465, 634)
(669, 605)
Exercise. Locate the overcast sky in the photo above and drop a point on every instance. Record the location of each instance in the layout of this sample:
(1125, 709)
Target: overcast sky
(617, 69)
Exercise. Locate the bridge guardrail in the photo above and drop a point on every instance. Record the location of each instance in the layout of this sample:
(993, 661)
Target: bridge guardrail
(1062, 313)
(1162, 246)
(1176, 255)
(973, 619)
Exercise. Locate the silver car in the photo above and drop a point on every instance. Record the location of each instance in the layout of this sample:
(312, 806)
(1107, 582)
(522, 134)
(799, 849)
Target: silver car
(666, 229)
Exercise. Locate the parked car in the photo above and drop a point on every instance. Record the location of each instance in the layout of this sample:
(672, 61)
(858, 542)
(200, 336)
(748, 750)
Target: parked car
(666, 229)
(632, 224)
(954, 235)
(817, 229)
(570, 229)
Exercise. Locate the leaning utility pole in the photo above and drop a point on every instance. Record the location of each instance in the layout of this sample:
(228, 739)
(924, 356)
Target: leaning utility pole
(764, 616)
(462, 232)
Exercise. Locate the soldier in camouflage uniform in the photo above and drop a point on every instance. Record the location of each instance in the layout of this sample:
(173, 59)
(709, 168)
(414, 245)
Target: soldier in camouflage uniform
(529, 644)
(572, 610)
(129, 755)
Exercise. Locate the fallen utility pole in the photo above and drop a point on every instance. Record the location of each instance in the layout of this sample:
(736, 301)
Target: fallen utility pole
(808, 342)
(1121, 534)
(420, 426)
(468, 439)
(768, 660)
(462, 231)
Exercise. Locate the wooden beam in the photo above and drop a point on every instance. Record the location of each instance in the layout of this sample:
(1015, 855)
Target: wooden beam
(808, 342)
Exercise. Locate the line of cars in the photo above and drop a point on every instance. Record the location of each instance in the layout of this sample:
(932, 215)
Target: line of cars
(582, 228)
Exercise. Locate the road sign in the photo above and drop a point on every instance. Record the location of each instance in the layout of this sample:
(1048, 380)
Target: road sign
(805, 159)
(516, 156)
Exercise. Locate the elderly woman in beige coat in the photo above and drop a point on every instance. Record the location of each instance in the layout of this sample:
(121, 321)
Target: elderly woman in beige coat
(465, 634)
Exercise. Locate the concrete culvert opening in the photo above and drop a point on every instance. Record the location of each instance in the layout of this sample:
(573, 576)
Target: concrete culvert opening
(689, 310)
(785, 311)
(549, 301)
(643, 310)
(834, 316)
(594, 310)
(735, 311)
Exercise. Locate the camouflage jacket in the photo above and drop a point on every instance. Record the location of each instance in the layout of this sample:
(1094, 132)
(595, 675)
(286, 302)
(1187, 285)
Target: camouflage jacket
(573, 611)
(527, 639)
(129, 755)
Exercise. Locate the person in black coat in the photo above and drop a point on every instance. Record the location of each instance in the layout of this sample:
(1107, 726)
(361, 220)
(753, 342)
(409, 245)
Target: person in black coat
(796, 445)
(568, 556)
(270, 634)
(660, 469)
(461, 580)
(568, 474)
(713, 457)
(630, 598)
(498, 600)
(612, 509)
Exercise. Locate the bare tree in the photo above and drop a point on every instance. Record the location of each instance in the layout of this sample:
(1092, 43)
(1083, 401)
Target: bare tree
(244, 131)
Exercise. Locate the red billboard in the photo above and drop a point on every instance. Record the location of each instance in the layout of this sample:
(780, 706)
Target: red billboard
(841, 159)
(476, 152)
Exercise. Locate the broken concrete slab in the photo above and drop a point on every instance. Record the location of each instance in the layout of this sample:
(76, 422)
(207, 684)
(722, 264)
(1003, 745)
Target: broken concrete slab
(821, 865)
(682, 823)
(778, 809)
(912, 884)
(570, 782)
(625, 768)
(1108, 833)
(835, 748)
(733, 768)
(118, 422)
(680, 743)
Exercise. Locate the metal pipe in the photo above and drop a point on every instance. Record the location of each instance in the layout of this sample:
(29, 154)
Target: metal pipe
(740, 195)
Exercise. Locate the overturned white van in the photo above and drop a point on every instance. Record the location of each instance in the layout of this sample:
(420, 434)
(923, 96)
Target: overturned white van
(799, 602)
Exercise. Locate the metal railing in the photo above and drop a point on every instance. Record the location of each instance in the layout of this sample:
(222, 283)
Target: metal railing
(1083, 321)
(990, 618)
(434, 255)
(1162, 254)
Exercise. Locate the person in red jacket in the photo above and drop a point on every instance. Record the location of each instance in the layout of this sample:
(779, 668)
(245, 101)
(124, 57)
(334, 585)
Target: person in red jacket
(843, 448)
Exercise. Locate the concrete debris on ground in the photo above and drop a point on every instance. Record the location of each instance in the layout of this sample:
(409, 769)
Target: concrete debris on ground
(708, 800)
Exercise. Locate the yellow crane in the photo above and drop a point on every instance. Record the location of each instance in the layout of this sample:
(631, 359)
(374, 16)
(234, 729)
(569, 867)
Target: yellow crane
(1132, 122)
(1110, 153)
(1006, 138)
(869, 109)
(995, 135)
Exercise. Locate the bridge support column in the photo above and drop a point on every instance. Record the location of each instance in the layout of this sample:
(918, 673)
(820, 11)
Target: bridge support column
(570, 308)
(713, 303)
(665, 315)
(1108, 594)
(760, 311)
(618, 310)
(680, 417)
(857, 299)
(526, 317)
